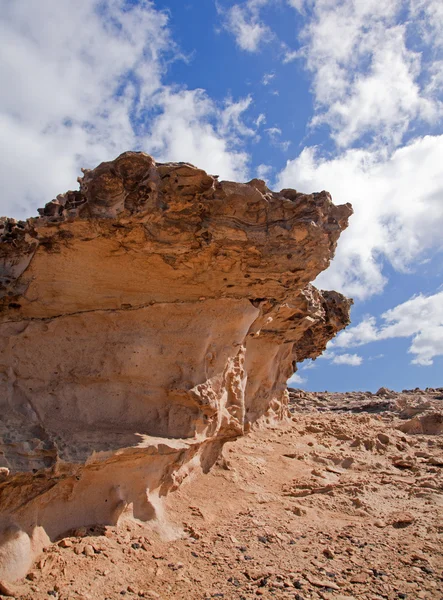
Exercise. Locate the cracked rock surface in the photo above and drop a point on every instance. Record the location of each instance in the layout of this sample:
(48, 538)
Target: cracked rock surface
(146, 319)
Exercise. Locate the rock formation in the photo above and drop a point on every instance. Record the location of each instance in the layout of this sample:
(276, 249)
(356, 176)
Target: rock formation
(147, 319)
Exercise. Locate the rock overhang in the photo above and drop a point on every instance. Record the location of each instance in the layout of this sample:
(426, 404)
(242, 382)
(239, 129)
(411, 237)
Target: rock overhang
(154, 302)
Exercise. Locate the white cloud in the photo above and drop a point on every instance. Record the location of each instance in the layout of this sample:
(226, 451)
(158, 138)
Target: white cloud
(274, 134)
(264, 171)
(295, 379)
(230, 118)
(376, 357)
(83, 81)
(363, 333)
(366, 78)
(353, 360)
(398, 209)
(298, 4)
(420, 317)
(267, 78)
(290, 55)
(308, 364)
(261, 120)
(428, 19)
(244, 23)
(184, 131)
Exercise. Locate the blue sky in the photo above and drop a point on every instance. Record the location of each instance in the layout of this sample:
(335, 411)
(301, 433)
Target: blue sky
(342, 95)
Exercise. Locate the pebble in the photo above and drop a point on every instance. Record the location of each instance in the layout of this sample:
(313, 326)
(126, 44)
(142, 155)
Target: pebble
(322, 583)
(359, 578)
(378, 523)
(88, 550)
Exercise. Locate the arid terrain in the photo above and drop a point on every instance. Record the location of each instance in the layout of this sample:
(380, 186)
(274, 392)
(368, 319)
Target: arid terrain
(336, 502)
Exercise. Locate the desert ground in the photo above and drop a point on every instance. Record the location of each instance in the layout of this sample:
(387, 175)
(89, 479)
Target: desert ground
(342, 500)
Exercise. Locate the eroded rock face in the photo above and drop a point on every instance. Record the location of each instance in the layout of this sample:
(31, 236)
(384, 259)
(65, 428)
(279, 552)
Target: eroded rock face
(147, 319)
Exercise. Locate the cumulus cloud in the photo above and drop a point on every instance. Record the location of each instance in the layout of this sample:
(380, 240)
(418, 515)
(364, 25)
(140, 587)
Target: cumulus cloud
(244, 22)
(396, 197)
(419, 318)
(367, 77)
(353, 360)
(296, 380)
(82, 82)
(264, 171)
(185, 128)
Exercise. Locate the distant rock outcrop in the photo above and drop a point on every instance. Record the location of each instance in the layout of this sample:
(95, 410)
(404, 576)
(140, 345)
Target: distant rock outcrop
(147, 319)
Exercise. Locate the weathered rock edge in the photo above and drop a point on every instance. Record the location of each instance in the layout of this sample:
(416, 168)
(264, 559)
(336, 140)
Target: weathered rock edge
(147, 319)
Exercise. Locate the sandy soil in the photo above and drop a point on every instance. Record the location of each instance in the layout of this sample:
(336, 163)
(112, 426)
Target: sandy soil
(334, 503)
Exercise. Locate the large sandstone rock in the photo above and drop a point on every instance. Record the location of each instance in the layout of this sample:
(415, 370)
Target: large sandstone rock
(147, 319)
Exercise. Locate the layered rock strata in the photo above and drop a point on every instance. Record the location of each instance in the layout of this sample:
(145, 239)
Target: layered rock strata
(147, 319)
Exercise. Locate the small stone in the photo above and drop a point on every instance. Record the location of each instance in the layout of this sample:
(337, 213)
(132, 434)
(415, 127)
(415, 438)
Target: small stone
(88, 550)
(328, 553)
(378, 523)
(322, 583)
(383, 438)
(6, 589)
(80, 532)
(402, 519)
(65, 543)
(359, 578)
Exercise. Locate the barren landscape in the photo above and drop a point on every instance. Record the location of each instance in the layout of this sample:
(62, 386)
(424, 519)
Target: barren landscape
(336, 502)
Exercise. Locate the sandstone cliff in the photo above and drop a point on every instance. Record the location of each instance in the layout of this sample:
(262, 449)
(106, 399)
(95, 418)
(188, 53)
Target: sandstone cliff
(147, 319)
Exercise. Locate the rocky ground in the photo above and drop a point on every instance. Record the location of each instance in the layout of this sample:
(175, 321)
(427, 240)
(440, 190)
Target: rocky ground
(344, 500)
